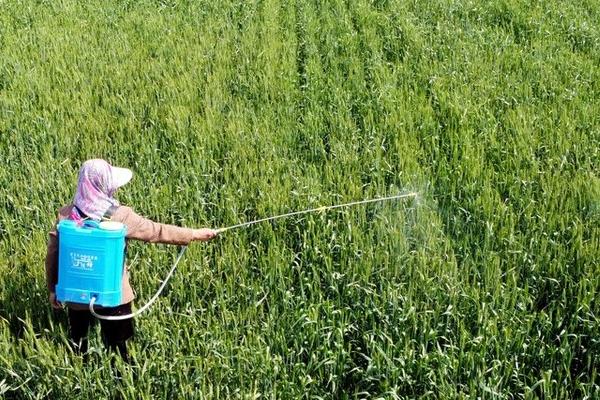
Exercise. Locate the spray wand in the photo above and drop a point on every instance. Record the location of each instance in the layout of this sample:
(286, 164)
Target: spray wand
(228, 228)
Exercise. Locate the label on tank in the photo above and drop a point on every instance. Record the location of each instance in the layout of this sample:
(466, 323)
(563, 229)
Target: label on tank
(83, 261)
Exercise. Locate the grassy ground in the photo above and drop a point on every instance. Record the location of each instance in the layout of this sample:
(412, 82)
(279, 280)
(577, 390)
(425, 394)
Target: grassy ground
(487, 286)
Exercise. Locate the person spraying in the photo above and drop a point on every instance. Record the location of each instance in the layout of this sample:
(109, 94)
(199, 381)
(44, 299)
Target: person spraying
(94, 202)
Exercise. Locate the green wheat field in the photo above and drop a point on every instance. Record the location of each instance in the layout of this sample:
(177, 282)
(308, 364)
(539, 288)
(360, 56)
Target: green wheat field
(485, 286)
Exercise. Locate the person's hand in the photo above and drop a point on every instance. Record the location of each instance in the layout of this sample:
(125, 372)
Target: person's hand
(57, 305)
(204, 234)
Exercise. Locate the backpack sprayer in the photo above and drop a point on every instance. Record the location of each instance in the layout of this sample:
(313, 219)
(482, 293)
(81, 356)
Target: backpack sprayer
(91, 259)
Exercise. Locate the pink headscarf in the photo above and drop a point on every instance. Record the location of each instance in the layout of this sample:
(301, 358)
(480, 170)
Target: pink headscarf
(98, 181)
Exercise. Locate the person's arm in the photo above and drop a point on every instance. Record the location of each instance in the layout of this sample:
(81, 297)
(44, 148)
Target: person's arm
(140, 228)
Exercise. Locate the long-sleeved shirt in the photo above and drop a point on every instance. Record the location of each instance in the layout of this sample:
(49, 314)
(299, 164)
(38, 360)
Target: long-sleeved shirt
(138, 228)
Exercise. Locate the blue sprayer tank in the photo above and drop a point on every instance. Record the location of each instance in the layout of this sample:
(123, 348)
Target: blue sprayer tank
(90, 262)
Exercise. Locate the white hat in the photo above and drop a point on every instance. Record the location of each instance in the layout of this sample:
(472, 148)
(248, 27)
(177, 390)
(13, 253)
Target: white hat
(120, 176)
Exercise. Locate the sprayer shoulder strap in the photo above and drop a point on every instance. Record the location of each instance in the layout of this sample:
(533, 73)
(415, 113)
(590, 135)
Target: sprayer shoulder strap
(109, 213)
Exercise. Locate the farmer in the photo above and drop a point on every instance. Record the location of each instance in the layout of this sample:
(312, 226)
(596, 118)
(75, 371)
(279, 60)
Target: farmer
(94, 199)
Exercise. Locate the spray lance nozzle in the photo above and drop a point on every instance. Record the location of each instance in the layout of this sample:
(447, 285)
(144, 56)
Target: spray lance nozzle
(318, 209)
